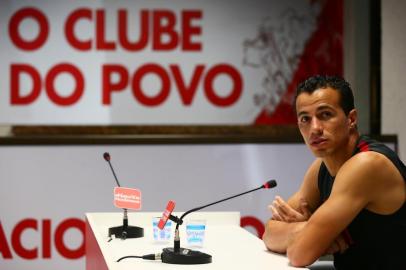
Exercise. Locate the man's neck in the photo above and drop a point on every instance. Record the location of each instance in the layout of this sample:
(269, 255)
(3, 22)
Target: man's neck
(334, 161)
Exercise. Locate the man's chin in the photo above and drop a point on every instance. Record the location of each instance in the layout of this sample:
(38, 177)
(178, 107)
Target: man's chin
(319, 152)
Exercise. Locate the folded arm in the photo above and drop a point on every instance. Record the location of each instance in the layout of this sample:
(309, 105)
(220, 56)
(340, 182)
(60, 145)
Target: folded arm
(358, 184)
(289, 218)
(278, 234)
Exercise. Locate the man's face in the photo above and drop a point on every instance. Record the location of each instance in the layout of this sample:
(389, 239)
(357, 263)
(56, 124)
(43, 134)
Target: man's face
(322, 122)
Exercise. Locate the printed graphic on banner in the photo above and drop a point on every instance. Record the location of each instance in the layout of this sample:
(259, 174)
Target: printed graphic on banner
(163, 62)
(289, 48)
(127, 198)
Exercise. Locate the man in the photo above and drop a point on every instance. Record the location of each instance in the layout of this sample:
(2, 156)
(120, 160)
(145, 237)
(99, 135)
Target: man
(352, 199)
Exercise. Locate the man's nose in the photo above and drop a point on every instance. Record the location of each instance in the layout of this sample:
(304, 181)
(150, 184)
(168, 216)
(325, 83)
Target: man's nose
(316, 126)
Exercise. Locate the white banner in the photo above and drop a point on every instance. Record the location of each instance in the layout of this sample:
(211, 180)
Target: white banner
(45, 191)
(150, 62)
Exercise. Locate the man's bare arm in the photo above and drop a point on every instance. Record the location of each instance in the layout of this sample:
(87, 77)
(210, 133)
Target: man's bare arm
(359, 184)
(278, 233)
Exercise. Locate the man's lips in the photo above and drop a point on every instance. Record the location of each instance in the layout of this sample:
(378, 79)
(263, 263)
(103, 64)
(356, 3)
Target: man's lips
(317, 141)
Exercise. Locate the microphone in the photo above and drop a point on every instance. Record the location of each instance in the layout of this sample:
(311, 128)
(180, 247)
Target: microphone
(178, 255)
(125, 231)
(107, 157)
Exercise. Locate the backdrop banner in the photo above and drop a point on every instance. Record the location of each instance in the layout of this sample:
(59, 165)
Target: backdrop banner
(45, 191)
(162, 62)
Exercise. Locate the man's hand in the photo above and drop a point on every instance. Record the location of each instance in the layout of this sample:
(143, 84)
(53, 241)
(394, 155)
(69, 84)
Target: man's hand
(339, 245)
(282, 211)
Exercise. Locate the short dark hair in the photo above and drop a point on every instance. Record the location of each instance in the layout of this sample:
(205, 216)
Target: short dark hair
(339, 84)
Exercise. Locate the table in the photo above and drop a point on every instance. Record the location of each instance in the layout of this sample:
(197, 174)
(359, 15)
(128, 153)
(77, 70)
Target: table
(230, 245)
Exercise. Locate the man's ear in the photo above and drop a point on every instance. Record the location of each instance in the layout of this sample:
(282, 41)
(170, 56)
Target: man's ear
(353, 118)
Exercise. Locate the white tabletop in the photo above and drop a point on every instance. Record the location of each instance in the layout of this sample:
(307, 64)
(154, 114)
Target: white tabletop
(228, 243)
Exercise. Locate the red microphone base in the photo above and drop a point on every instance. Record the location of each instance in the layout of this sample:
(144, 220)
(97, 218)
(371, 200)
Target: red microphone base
(184, 256)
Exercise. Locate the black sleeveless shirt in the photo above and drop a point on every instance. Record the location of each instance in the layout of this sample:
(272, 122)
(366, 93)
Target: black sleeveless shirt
(376, 241)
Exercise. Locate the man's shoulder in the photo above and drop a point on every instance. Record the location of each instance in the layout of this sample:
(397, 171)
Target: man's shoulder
(368, 158)
(368, 161)
(368, 166)
(375, 176)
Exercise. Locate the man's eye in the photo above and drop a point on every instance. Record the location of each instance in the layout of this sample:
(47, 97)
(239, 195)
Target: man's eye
(304, 119)
(326, 115)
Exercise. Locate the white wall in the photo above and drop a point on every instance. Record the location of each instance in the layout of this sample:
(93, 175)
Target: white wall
(394, 71)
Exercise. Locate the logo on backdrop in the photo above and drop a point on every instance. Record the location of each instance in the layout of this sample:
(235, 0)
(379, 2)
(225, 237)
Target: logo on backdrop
(161, 35)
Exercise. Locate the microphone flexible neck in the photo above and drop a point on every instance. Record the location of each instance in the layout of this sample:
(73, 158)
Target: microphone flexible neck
(210, 204)
(114, 174)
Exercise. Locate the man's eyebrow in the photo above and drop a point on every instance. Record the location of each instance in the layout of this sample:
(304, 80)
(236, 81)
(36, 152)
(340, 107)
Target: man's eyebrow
(302, 113)
(320, 108)
(323, 107)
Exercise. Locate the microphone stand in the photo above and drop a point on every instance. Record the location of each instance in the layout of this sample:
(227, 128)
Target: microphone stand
(125, 231)
(178, 255)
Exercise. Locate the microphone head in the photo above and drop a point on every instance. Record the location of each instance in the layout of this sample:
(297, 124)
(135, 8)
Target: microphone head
(166, 214)
(269, 184)
(106, 156)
